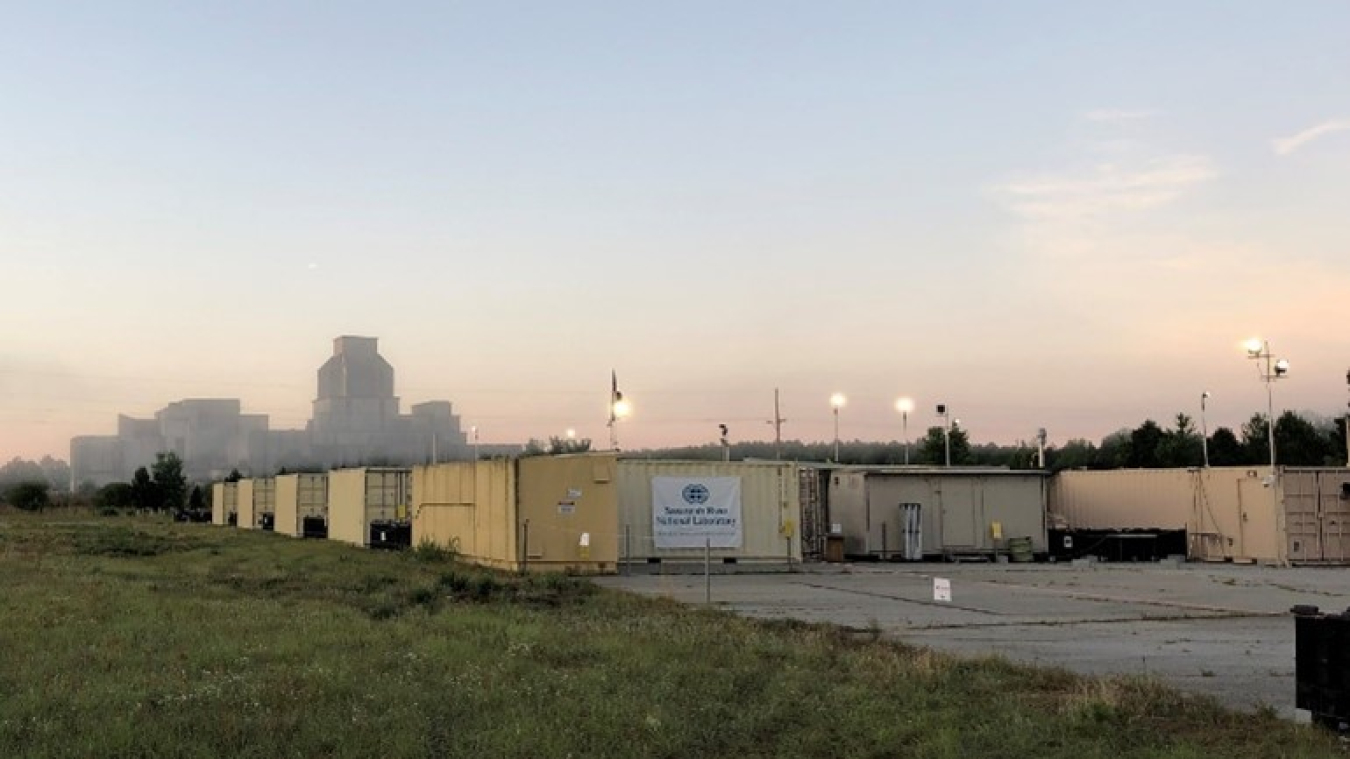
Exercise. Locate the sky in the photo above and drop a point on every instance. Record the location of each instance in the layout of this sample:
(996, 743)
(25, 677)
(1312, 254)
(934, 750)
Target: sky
(1042, 214)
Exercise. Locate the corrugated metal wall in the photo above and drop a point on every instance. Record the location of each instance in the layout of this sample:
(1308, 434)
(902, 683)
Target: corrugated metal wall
(770, 510)
(244, 504)
(562, 498)
(264, 499)
(525, 514)
(1229, 513)
(357, 497)
(468, 507)
(957, 510)
(223, 502)
(1317, 515)
(299, 496)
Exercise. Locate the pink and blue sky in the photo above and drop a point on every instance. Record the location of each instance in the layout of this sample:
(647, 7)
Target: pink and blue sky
(1043, 214)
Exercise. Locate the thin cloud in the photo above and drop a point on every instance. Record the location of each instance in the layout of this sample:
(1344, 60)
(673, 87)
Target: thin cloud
(1287, 145)
(1117, 115)
(1106, 189)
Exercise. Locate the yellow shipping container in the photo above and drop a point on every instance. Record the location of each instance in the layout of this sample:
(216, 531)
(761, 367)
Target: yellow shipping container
(537, 513)
(1228, 513)
(301, 502)
(672, 511)
(224, 503)
(369, 506)
(244, 504)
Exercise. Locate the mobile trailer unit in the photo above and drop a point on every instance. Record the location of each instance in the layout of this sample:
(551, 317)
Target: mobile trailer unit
(224, 503)
(265, 503)
(370, 506)
(1298, 515)
(672, 513)
(535, 513)
(302, 505)
(244, 513)
(916, 513)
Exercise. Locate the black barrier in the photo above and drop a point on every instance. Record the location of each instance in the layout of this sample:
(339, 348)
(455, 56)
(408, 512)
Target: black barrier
(1117, 545)
(314, 527)
(394, 536)
(1322, 666)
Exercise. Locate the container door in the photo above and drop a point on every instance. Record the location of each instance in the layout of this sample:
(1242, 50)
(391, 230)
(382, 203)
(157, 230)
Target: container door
(911, 525)
(959, 503)
(1302, 523)
(814, 528)
(1333, 490)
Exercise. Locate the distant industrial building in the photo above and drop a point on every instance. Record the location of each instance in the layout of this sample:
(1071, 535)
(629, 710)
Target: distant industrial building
(356, 420)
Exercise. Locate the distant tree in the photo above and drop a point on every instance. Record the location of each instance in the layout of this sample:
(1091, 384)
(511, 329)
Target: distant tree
(557, 445)
(234, 476)
(1145, 442)
(1075, 454)
(197, 500)
(19, 471)
(57, 472)
(118, 495)
(1114, 451)
(1225, 449)
(167, 472)
(29, 496)
(1180, 447)
(144, 494)
(933, 448)
(1255, 440)
(1299, 443)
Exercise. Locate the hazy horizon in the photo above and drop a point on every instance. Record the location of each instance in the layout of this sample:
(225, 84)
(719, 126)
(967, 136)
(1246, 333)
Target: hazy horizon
(1042, 215)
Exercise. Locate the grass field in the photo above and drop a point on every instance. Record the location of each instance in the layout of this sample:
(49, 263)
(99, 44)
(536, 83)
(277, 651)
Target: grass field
(129, 637)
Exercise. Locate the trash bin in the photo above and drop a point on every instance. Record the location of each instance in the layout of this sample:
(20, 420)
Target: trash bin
(834, 548)
(1322, 665)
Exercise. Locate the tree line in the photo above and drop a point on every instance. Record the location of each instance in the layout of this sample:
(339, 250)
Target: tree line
(1299, 441)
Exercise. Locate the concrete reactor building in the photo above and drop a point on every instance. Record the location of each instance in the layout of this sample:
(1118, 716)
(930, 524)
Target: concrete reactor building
(356, 420)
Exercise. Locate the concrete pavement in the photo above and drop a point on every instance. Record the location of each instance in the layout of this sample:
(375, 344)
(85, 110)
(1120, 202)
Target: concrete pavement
(1219, 629)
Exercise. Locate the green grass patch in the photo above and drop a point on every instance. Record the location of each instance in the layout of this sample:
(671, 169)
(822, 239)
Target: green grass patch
(136, 637)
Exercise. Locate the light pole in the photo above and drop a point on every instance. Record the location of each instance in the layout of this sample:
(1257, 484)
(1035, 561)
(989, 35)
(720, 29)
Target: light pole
(1259, 350)
(837, 402)
(474, 431)
(725, 441)
(1204, 429)
(904, 406)
(946, 418)
(618, 409)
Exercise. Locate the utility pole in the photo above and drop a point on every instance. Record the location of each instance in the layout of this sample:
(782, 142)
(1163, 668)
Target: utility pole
(777, 422)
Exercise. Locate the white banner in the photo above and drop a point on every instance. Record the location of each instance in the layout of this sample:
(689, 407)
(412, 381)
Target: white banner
(689, 512)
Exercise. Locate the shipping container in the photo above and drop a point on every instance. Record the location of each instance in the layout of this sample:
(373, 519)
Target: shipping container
(370, 506)
(302, 505)
(224, 503)
(1241, 514)
(244, 513)
(917, 513)
(264, 503)
(535, 513)
(742, 512)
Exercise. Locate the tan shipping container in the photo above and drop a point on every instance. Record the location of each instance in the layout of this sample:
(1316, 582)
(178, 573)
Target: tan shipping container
(767, 495)
(360, 498)
(1228, 513)
(300, 497)
(916, 513)
(244, 503)
(224, 503)
(535, 513)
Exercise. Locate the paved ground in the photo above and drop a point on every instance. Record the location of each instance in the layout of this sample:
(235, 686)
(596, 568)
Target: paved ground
(1219, 629)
